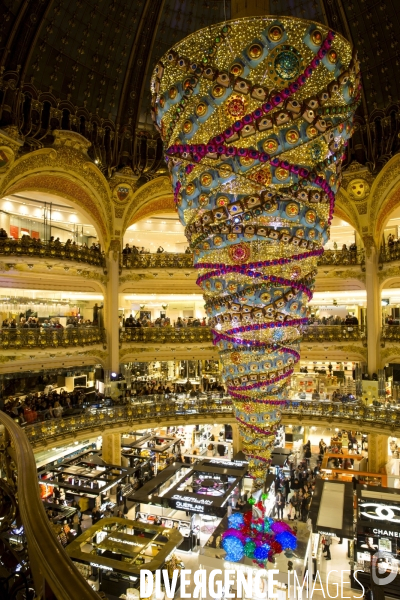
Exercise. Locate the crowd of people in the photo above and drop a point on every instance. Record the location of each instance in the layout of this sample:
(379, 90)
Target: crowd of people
(346, 252)
(53, 241)
(54, 323)
(130, 251)
(349, 320)
(180, 323)
(293, 494)
(149, 388)
(41, 406)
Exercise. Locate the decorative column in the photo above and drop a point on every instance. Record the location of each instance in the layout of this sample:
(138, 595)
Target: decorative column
(111, 450)
(237, 445)
(111, 307)
(374, 308)
(377, 452)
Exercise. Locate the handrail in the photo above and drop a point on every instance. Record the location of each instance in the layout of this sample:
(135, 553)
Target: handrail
(334, 333)
(157, 408)
(45, 551)
(169, 334)
(31, 247)
(172, 260)
(391, 333)
(389, 253)
(176, 260)
(50, 338)
(342, 257)
(163, 335)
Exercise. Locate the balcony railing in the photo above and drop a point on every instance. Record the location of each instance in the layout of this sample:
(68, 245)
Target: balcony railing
(391, 333)
(334, 333)
(174, 335)
(341, 257)
(158, 261)
(389, 253)
(161, 410)
(43, 563)
(41, 249)
(50, 338)
(56, 568)
(165, 335)
(185, 261)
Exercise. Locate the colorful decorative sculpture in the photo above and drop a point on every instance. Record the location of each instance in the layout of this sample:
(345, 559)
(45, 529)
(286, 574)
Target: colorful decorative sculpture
(255, 115)
(256, 536)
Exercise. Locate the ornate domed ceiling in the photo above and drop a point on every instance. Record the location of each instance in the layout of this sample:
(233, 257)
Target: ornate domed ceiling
(85, 65)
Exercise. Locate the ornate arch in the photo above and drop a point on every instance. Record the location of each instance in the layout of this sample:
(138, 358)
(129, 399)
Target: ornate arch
(344, 209)
(152, 197)
(385, 195)
(66, 171)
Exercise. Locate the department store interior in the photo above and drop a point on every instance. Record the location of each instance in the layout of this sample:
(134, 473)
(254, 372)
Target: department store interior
(192, 341)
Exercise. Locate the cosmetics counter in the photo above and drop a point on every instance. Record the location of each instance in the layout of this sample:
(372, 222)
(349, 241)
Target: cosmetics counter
(378, 530)
(111, 553)
(86, 480)
(158, 449)
(192, 499)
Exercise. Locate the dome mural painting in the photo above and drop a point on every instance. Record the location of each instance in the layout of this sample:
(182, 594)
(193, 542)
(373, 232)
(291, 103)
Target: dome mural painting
(255, 115)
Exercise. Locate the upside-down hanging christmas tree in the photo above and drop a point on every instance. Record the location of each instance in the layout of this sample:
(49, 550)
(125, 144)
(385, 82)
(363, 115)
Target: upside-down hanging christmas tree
(255, 115)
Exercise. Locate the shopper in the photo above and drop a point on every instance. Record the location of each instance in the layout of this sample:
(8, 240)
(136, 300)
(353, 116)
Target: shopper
(327, 547)
(279, 504)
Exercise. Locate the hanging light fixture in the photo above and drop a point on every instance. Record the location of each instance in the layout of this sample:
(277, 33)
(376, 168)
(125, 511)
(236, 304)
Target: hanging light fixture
(255, 115)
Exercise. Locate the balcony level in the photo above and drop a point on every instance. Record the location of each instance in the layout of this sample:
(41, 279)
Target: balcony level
(340, 342)
(51, 348)
(154, 410)
(337, 270)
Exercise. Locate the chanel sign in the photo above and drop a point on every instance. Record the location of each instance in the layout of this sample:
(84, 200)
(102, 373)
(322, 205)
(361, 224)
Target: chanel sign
(381, 512)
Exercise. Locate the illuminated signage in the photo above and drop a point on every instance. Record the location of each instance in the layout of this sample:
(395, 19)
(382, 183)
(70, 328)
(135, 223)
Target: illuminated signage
(386, 532)
(229, 463)
(190, 506)
(192, 500)
(101, 567)
(128, 542)
(382, 512)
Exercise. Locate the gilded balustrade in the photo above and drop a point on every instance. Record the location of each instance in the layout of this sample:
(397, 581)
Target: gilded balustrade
(391, 333)
(164, 335)
(185, 261)
(157, 408)
(158, 261)
(334, 333)
(389, 253)
(341, 257)
(50, 338)
(314, 333)
(37, 248)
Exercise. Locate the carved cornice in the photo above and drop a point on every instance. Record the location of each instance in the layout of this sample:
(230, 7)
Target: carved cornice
(357, 349)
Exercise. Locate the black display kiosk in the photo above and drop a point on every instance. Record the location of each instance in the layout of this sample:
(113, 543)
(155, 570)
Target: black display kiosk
(377, 544)
(203, 488)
